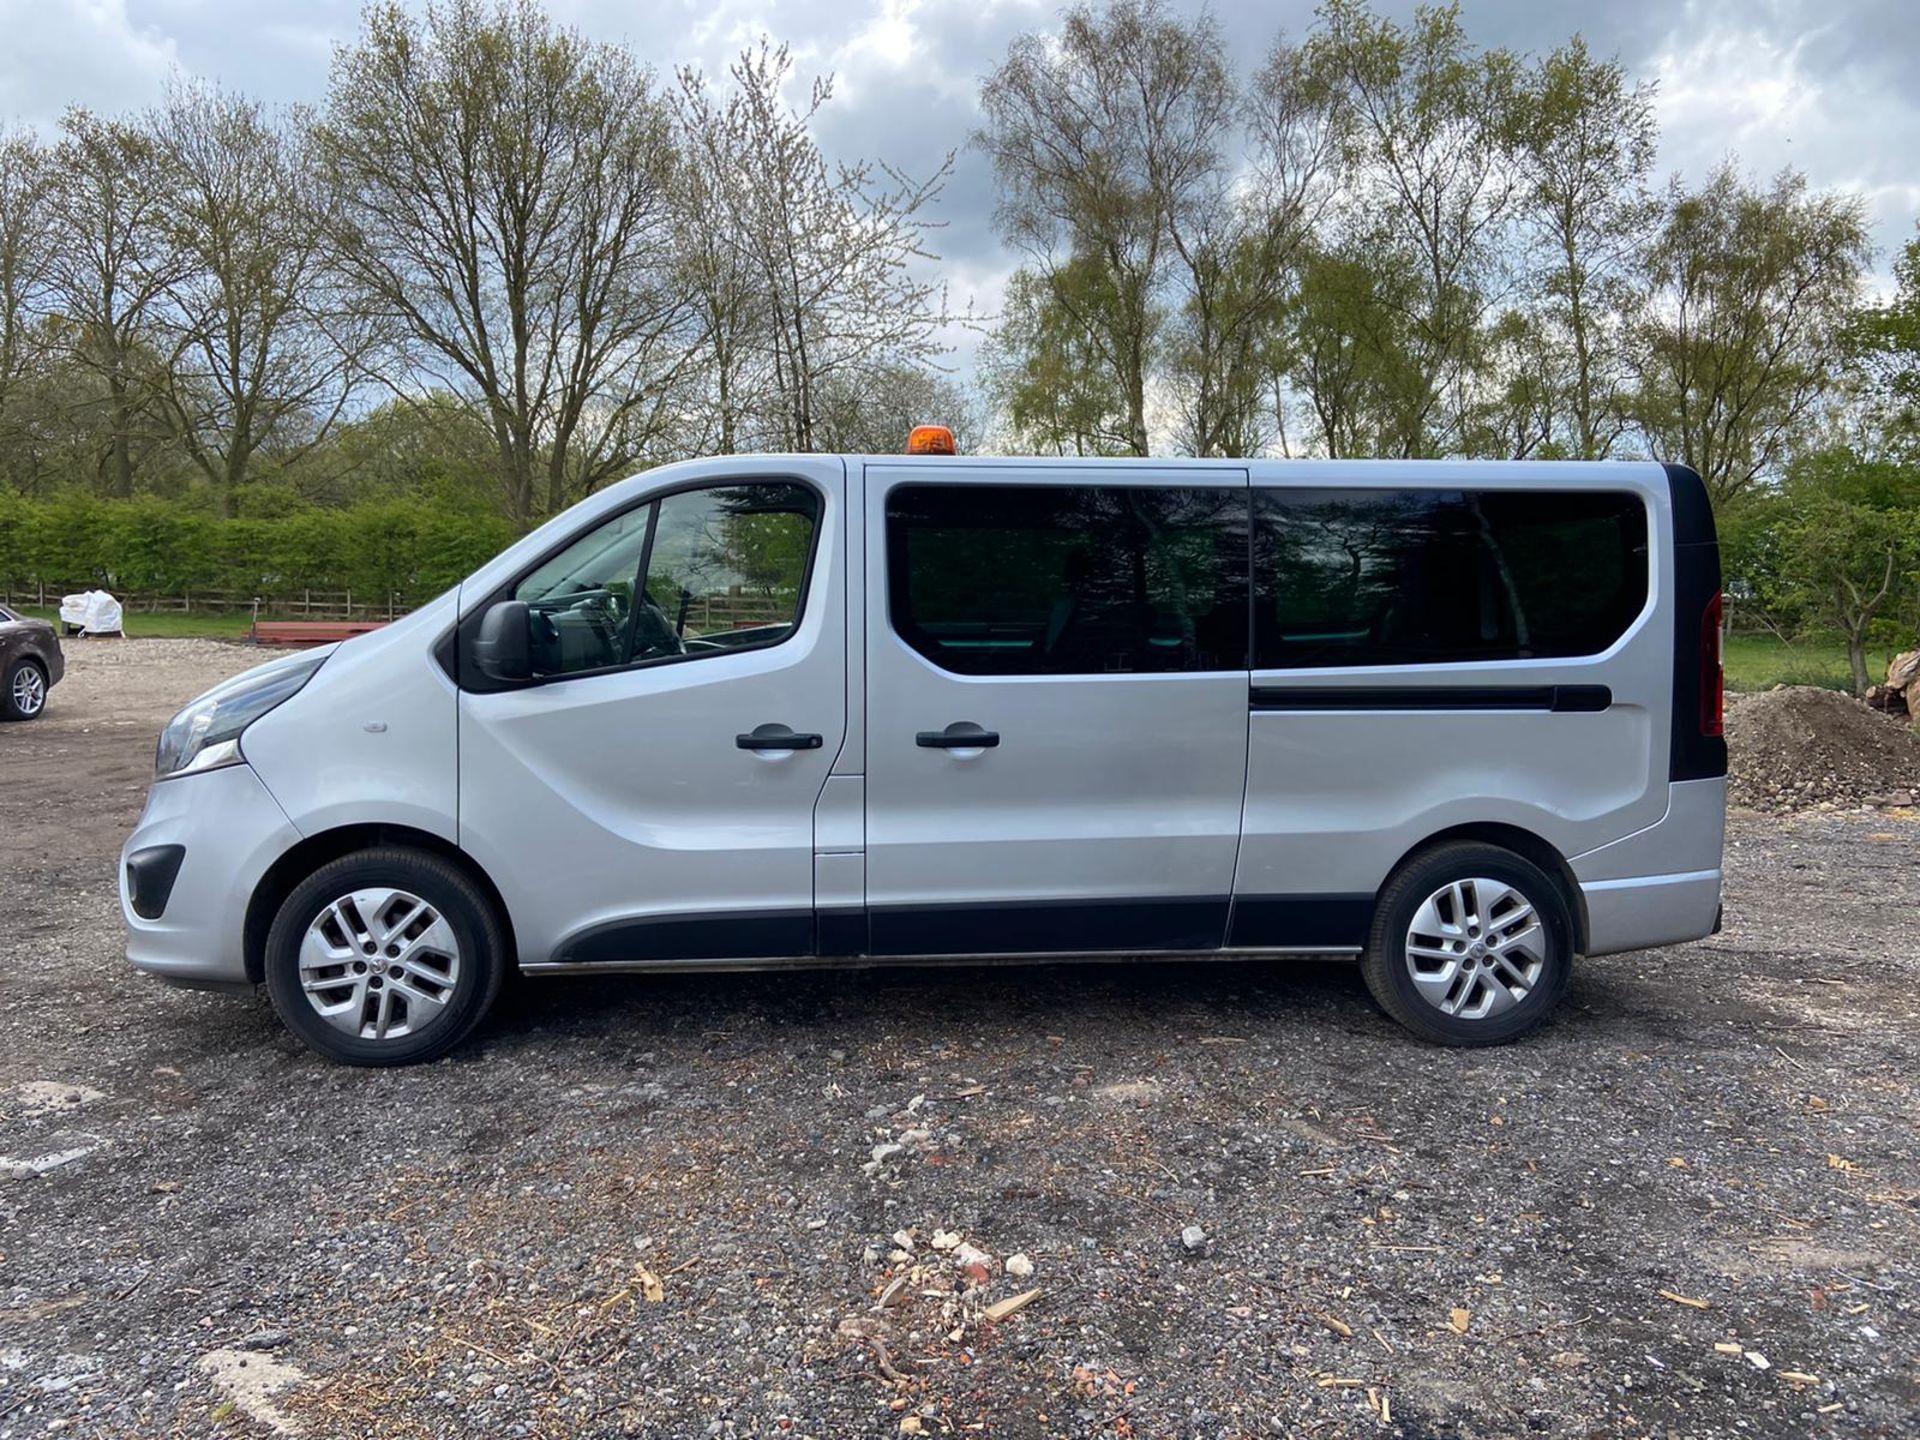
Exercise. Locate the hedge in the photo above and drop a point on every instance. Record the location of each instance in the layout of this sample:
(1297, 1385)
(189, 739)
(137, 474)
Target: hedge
(402, 548)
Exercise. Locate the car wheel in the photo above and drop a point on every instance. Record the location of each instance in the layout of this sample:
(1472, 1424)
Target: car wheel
(1471, 945)
(24, 694)
(385, 957)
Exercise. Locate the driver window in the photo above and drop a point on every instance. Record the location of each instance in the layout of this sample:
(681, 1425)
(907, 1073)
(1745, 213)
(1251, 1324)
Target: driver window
(580, 602)
(725, 569)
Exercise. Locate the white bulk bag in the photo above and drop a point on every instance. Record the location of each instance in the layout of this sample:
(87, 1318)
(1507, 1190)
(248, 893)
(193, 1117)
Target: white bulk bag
(94, 612)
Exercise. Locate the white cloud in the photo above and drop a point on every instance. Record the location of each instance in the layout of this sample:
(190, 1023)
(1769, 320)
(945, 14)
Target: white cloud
(1763, 98)
(78, 52)
(1733, 91)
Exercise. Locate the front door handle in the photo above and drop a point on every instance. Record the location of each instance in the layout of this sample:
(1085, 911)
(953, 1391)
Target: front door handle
(960, 735)
(776, 737)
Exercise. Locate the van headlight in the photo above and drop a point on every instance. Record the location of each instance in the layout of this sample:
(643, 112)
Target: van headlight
(206, 735)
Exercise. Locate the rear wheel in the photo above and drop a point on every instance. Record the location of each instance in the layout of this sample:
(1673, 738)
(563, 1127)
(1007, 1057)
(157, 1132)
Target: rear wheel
(24, 694)
(1471, 945)
(384, 957)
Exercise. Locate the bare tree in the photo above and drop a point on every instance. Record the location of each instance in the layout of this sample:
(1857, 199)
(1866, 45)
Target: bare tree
(112, 263)
(811, 273)
(874, 413)
(721, 277)
(502, 194)
(263, 354)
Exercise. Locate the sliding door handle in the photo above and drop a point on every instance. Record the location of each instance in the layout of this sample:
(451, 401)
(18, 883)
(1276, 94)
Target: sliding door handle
(961, 735)
(776, 737)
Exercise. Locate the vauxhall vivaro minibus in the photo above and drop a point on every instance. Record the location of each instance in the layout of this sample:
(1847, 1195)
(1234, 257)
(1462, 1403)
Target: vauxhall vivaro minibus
(1461, 720)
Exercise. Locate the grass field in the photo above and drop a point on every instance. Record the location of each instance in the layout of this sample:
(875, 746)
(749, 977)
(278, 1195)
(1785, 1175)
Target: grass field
(171, 626)
(1759, 662)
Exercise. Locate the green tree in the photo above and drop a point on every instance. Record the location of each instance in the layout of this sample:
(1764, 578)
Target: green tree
(1884, 344)
(1429, 179)
(1104, 138)
(1836, 549)
(1239, 239)
(1585, 142)
(1351, 355)
(1046, 366)
(25, 255)
(1752, 291)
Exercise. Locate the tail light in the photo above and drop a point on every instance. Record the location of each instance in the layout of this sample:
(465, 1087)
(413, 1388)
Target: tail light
(1713, 669)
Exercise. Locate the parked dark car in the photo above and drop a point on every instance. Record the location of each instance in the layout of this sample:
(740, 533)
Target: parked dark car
(30, 665)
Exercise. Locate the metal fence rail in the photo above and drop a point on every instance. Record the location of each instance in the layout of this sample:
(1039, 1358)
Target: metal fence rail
(301, 604)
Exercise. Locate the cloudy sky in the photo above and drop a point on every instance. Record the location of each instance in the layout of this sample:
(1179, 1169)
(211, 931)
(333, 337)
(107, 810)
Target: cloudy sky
(1829, 86)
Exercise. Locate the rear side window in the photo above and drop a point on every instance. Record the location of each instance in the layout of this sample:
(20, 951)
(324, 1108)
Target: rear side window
(1069, 579)
(1414, 577)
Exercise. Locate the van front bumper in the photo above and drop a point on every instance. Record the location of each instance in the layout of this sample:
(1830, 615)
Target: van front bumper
(217, 832)
(1649, 910)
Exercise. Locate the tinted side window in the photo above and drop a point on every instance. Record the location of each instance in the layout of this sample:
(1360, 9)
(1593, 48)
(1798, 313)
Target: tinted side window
(1408, 577)
(1068, 579)
(696, 573)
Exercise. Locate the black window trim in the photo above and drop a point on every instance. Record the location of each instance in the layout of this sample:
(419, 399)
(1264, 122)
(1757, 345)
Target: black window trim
(469, 679)
(1082, 477)
(1361, 669)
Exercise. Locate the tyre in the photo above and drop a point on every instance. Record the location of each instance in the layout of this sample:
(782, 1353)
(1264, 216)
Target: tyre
(1471, 945)
(23, 693)
(385, 957)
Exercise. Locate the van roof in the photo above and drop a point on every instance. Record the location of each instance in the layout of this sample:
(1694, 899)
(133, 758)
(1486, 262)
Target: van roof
(1583, 472)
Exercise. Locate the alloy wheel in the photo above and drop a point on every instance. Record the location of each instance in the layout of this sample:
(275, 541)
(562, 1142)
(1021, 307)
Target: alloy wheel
(379, 964)
(29, 690)
(1476, 948)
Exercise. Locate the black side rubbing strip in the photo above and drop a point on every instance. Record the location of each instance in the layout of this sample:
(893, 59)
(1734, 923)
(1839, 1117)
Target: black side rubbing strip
(1299, 922)
(1069, 927)
(1558, 699)
(745, 935)
(843, 930)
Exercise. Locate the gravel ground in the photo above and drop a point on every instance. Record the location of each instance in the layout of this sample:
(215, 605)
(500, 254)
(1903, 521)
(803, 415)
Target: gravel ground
(781, 1205)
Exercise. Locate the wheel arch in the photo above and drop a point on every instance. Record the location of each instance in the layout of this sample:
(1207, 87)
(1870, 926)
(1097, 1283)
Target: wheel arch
(1523, 843)
(313, 851)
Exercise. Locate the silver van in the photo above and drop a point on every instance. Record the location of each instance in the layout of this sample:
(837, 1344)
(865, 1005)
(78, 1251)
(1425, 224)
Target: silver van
(1461, 720)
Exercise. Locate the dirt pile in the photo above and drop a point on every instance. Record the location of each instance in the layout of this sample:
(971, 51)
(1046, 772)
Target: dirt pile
(1796, 746)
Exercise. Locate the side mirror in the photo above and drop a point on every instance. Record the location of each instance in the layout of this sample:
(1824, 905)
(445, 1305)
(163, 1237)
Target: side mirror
(502, 648)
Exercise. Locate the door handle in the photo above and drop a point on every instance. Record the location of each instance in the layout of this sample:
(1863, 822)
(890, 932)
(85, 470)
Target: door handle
(960, 735)
(776, 737)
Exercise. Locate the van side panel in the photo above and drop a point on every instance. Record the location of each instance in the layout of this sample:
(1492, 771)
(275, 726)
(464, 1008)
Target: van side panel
(1352, 768)
(1661, 885)
(374, 743)
(1105, 813)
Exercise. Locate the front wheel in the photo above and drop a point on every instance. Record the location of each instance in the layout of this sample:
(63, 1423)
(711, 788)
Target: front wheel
(24, 694)
(385, 957)
(1471, 945)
